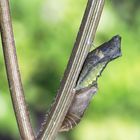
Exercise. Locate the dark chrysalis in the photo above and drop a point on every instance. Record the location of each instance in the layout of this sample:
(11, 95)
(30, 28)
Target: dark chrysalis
(86, 87)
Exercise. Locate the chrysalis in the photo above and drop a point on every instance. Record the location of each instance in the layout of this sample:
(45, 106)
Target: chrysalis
(86, 86)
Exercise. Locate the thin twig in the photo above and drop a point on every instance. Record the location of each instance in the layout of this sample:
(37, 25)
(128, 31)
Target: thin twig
(81, 48)
(13, 74)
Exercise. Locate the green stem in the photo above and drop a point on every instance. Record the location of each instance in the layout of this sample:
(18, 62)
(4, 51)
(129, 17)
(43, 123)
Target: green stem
(81, 48)
(13, 74)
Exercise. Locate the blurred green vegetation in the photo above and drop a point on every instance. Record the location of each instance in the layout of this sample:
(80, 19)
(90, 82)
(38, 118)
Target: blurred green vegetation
(45, 31)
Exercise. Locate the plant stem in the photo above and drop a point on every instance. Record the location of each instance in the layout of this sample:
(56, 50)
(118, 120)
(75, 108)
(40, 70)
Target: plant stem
(13, 73)
(81, 48)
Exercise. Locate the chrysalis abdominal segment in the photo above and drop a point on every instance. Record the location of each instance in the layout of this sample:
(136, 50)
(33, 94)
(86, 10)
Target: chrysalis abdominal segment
(86, 87)
(79, 104)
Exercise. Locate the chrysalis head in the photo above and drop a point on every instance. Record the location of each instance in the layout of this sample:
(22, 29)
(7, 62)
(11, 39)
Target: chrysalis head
(97, 60)
(111, 49)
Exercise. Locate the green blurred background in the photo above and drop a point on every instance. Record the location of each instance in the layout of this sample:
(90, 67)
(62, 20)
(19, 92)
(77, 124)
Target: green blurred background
(45, 31)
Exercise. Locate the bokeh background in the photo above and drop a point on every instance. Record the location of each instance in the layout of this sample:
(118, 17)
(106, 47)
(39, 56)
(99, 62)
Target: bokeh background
(45, 31)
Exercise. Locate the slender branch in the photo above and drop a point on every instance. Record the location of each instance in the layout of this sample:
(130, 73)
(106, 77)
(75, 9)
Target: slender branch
(81, 48)
(13, 74)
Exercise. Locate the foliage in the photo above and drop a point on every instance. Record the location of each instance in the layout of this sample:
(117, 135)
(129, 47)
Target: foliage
(45, 32)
